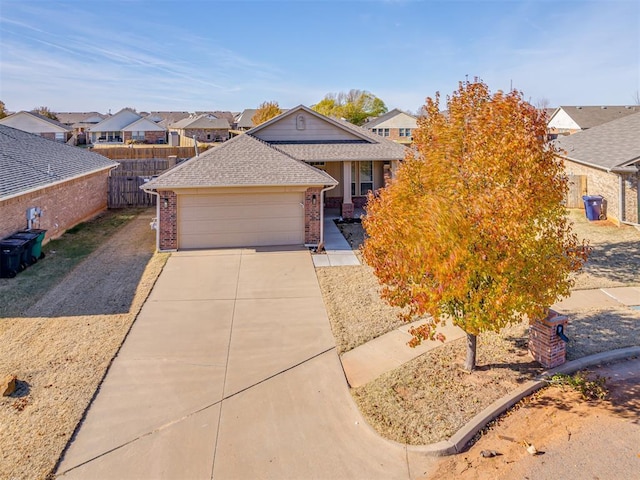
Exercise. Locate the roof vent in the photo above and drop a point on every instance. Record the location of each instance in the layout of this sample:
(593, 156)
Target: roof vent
(579, 108)
(603, 107)
(628, 107)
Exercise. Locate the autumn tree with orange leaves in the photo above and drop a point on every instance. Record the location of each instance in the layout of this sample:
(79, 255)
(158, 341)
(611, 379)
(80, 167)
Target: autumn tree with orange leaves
(473, 230)
(266, 111)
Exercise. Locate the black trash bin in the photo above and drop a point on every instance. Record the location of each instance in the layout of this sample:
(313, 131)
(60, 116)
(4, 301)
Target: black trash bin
(28, 257)
(35, 236)
(11, 253)
(593, 207)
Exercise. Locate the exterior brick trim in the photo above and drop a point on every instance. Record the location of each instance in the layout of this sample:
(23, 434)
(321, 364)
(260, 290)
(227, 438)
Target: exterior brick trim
(312, 206)
(168, 220)
(545, 346)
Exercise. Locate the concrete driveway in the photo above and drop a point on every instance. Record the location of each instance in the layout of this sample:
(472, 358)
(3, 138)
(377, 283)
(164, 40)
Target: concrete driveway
(230, 372)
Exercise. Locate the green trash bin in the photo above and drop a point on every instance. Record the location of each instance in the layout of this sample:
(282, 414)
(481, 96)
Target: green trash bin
(36, 248)
(28, 257)
(11, 252)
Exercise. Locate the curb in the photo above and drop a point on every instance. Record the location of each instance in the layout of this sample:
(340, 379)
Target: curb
(458, 441)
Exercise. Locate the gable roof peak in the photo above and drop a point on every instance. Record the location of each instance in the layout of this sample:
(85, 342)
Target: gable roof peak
(340, 123)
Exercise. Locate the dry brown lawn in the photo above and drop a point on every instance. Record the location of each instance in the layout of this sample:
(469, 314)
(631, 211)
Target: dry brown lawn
(61, 347)
(431, 397)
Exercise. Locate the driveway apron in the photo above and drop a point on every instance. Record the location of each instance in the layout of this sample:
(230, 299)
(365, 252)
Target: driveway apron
(230, 372)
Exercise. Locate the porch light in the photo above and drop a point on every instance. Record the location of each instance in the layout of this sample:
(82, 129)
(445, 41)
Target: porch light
(165, 202)
(314, 199)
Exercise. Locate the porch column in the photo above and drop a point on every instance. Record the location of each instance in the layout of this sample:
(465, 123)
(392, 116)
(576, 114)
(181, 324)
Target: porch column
(394, 168)
(347, 205)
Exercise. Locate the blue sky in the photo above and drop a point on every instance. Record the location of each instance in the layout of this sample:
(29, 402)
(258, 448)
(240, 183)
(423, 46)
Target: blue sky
(230, 55)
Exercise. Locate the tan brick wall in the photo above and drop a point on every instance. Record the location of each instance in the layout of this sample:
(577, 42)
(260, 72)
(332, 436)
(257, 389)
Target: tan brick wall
(599, 182)
(63, 205)
(312, 216)
(631, 201)
(168, 222)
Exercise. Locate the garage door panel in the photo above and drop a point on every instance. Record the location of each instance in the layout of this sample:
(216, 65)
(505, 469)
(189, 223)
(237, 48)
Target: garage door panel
(241, 212)
(223, 240)
(236, 220)
(238, 199)
(241, 225)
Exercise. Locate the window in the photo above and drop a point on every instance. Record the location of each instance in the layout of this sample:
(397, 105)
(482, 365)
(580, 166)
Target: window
(362, 177)
(208, 136)
(59, 137)
(137, 135)
(366, 177)
(405, 132)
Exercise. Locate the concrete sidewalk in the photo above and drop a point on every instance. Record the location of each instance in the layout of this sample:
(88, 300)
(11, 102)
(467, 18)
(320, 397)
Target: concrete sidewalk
(389, 351)
(337, 251)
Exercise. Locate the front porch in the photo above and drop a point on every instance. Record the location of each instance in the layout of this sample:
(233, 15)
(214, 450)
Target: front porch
(356, 179)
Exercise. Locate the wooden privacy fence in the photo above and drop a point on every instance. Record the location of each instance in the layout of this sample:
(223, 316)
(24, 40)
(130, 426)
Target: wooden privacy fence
(577, 188)
(125, 181)
(126, 153)
(124, 191)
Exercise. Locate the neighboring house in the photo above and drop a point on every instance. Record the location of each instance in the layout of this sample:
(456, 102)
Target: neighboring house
(205, 128)
(80, 122)
(127, 126)
(608, 156)
(67, 184)
(268, 186)
(244, 120)
(395, 125)
(166, 118)
(39, 125)
(566, 120)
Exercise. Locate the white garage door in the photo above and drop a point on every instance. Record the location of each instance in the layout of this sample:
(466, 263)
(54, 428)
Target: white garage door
(240, 220)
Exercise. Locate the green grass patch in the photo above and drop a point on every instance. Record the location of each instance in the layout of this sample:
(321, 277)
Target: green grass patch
(61, 256)
(590, 389)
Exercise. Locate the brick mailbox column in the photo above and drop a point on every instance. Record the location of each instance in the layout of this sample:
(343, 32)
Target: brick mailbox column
(545, 345)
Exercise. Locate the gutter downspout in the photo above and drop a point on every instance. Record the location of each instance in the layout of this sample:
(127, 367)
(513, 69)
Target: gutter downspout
(153, 192)
(321, 243)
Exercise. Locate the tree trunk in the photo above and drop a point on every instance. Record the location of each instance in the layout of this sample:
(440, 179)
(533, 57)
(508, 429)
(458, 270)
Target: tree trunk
(470, 362)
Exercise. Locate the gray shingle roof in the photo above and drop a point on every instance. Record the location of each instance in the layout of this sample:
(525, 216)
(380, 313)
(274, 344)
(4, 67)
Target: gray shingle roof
(327, 152)
(71, 118)
(372, 123)
(244, 119)
(612, 145)
(241, 161)
(29, 161)
(9, 120)
(204, 121)
(589, 117)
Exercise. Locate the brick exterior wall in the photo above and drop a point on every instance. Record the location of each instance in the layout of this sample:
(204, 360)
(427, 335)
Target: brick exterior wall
(215, 134)
(312, 216)
(607, 184)
(168, 221)
(52, 136)
(153, 137)
(336, 202)
(631, 200)
(63, 205)
(149, 137)
(346, 211)
(545, 346)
